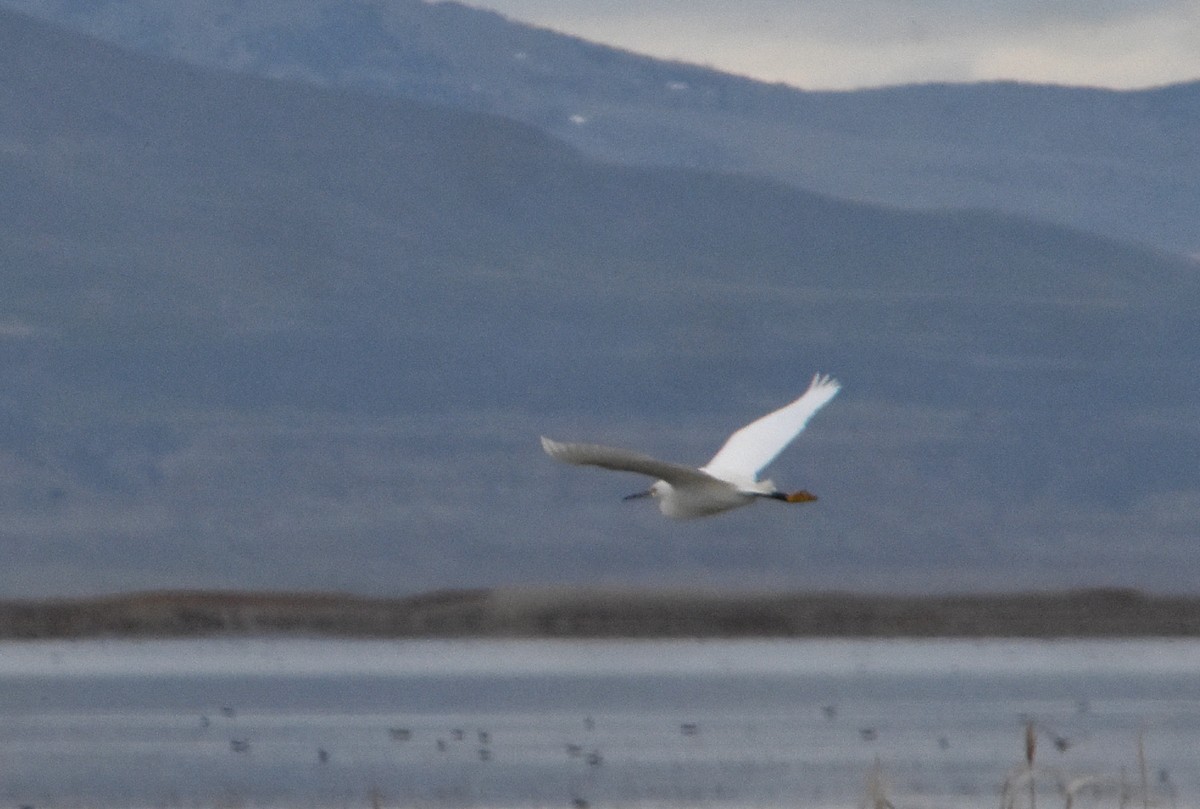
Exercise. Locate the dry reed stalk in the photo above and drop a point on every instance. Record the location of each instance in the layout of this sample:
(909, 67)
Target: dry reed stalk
(1141, 754)
(877, 789)
(1030, 757)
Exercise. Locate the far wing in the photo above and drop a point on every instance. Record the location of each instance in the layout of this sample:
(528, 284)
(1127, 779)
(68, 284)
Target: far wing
(754, 446)
(623, 460)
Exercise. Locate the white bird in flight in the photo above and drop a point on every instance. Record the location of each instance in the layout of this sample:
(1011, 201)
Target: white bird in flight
(730, 479)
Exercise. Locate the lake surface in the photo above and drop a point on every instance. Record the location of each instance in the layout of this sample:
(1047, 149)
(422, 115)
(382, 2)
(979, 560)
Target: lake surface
(330, 723)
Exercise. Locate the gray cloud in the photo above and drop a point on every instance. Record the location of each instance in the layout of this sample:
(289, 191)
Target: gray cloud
(832, 44)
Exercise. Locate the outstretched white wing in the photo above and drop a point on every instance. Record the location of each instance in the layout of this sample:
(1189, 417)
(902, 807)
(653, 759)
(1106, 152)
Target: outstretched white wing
(623, 460)
(754, 446)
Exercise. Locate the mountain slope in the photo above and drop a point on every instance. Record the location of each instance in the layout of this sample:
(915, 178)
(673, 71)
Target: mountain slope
(1125, 164)
(260, 334)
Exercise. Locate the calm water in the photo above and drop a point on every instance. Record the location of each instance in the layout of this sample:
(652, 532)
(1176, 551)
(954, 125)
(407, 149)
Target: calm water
(313, 723)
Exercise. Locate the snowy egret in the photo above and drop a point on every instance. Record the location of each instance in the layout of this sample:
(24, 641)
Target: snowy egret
(730, 479)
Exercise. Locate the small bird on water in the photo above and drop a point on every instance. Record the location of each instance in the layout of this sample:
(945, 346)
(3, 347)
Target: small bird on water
(727, 481)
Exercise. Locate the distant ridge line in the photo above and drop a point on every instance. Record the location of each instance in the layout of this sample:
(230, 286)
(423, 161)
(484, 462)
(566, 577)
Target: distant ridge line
(603, 613)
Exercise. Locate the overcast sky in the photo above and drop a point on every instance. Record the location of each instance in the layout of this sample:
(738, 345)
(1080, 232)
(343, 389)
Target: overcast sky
(820, 44)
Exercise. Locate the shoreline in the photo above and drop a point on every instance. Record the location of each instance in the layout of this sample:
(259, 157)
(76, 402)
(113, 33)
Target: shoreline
(605, 613)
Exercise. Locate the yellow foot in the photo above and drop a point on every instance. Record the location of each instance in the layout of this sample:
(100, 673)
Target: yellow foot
(801, 497)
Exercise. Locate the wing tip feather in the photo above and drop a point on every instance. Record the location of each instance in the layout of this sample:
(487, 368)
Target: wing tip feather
(822, 381)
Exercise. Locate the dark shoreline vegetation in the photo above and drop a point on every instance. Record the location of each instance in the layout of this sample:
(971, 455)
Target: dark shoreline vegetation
(599, 613)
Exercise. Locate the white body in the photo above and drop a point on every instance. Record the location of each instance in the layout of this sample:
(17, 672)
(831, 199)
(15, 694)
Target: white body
(727, 481)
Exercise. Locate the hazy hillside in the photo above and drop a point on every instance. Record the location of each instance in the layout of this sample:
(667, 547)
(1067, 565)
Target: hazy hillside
(257, 334)
(1118, 163)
